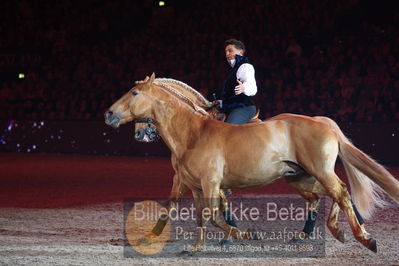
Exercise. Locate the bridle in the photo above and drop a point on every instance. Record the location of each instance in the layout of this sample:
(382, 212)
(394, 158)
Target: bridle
(149, 121)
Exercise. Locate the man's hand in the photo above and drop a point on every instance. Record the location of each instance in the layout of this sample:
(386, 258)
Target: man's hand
(217, 103)
(239, 88)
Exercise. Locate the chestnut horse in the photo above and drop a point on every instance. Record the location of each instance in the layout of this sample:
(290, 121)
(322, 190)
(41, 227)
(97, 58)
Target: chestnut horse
(210, 155)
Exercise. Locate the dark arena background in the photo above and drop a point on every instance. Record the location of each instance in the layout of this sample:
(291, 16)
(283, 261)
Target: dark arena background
(64, 174)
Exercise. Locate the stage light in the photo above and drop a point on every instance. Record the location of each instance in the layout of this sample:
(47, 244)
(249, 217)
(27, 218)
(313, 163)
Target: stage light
(21, 75)
(161, 3)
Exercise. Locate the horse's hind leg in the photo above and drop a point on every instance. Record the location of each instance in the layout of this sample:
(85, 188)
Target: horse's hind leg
(309, 188)
(311, 197)
(339, 193)
(318, 160)
(313, 203)
(332, 223)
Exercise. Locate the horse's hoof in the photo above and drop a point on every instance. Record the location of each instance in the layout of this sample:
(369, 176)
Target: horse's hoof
(296, 240)
(225, 242)
(253, 234)
(373, 245)
(299, 239)
(340, 236)
(185, 254)
(150, 235)
(144, 241)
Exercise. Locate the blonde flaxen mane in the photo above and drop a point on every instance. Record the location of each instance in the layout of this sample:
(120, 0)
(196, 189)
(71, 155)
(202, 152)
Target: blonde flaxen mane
(200, 106)
(196, 94)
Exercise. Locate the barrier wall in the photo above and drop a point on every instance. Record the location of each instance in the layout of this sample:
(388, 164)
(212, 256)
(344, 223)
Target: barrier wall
(94, 137)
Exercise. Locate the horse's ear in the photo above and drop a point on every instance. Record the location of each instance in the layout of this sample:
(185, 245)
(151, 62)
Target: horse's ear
(151, 78)
(146, 78)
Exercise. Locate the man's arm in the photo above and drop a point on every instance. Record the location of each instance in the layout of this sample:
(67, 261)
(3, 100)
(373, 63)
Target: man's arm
(246, 80)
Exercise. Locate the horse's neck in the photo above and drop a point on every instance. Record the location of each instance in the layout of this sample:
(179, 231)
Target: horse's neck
(179, 127)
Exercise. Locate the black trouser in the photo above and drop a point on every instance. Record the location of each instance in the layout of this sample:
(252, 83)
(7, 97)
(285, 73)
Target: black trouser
(241, 115)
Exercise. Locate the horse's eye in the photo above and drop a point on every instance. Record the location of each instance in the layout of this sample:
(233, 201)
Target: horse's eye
(134, 93)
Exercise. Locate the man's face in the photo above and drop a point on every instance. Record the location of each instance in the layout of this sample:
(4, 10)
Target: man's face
(231, 51)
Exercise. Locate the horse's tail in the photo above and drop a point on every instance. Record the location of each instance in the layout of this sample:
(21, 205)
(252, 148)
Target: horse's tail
(363, 174)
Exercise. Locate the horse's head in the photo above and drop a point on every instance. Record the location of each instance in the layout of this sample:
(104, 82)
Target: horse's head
(135, 104)
(146, 131)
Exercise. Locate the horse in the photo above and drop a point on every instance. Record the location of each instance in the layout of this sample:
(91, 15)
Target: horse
(211, 155)
(145, 131)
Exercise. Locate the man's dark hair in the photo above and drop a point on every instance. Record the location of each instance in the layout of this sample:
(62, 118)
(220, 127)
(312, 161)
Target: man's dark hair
(237, 44)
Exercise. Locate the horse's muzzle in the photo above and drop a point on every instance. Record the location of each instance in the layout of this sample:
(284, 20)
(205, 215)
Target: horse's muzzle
(112, 119)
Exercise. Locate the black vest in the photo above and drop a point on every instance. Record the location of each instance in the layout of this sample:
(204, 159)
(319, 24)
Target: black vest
(230, 100)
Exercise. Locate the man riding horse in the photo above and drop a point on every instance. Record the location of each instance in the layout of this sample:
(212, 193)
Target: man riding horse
(208, 156)
(238, 105)
(236, 97)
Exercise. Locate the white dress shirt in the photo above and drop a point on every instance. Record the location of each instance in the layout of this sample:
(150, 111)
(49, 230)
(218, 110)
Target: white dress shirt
(246, 74)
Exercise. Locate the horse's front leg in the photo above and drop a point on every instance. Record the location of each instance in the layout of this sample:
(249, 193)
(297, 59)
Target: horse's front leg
(199, 245)
(211, 211)
(178, 190)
